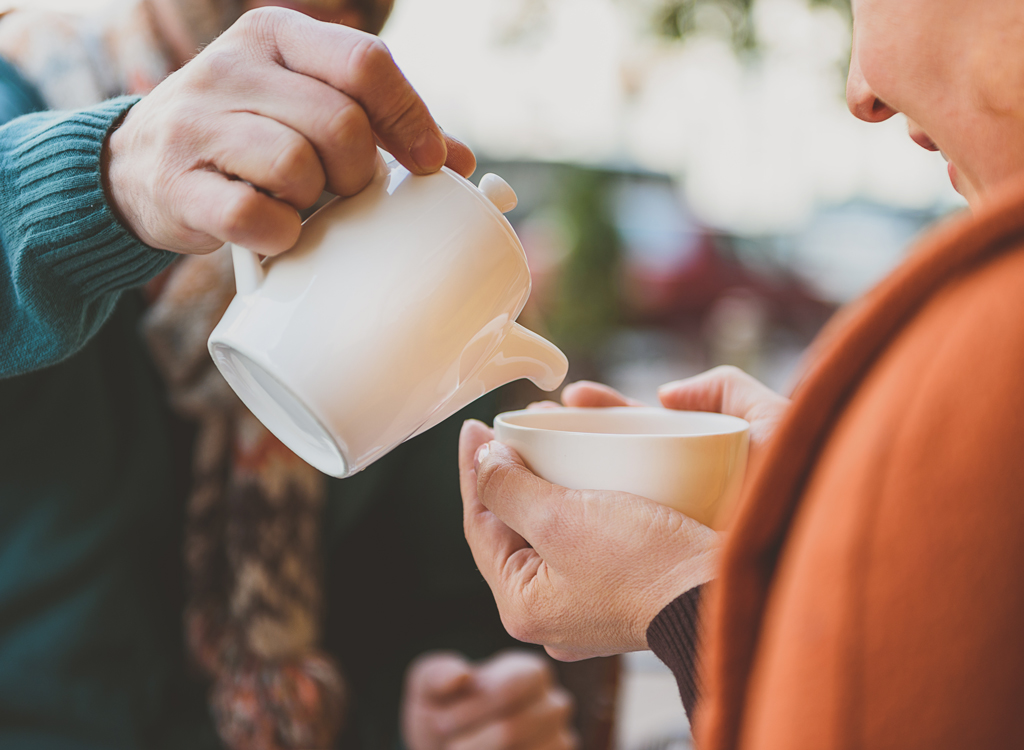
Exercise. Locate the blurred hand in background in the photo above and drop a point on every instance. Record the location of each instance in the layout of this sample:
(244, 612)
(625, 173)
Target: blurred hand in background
(508, 702)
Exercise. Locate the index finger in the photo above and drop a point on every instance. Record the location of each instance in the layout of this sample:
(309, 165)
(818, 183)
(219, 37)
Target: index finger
(725, 389)
(589, 394)
(359, 65)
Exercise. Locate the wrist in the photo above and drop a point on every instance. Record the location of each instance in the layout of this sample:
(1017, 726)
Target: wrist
(117, 177)
(681, 580)
(105, 177)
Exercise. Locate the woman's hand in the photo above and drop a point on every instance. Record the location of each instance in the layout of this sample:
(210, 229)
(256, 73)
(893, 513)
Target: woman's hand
(255, 127)
(508, 702)
(725, 390)
(585, 572)
(581, 572)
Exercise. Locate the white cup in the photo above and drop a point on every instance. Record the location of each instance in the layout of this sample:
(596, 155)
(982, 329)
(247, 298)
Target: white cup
(396, 308)
(691, 461)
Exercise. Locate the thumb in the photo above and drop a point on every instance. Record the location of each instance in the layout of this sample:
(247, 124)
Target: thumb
(530, 506)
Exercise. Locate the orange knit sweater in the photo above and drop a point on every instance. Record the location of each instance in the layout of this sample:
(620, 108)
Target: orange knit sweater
(872, 589)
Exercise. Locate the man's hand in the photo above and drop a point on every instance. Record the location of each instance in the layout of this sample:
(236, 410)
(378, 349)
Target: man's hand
(509, 702)
(230, 147)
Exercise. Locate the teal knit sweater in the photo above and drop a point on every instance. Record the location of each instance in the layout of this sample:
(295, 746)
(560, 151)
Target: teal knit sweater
(91, 495)
(66, 256)
(90, 517)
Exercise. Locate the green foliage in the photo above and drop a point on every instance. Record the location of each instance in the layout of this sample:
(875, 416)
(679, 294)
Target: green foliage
(587, 304)
(678, 19)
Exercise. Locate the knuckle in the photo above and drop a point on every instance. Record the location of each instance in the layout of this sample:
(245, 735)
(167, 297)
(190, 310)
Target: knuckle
(726, 371)
(518, 627)
(177, 128)
(349, 126)
(731, 374)
(236, 214)
(403, 107)
(263, 22)
(352, 149)
(530, 620)
(369, 58)
(218, 65)
(493, 478)
(259, 31)
(291, 161)
(342, 123)
(372, 67)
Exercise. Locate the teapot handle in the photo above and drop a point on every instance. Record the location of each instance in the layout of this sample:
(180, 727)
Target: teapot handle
(249, 271)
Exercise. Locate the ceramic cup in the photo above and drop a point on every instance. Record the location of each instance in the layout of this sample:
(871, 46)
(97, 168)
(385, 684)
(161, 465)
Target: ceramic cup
(396, 308)
(691, 461)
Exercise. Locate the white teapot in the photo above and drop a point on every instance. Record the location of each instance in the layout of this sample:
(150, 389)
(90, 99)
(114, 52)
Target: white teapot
(394, 310)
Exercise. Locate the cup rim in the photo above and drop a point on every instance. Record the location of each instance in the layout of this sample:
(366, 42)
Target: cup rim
(739, 425)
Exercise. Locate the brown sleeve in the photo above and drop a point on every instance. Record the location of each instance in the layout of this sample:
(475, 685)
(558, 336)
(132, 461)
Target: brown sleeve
(674, 637)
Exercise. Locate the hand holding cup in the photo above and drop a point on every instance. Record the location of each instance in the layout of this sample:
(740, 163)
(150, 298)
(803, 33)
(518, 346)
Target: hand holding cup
(581, 572)
(584, 572)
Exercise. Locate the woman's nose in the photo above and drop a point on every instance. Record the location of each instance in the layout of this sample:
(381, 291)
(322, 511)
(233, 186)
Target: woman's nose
(860, 98)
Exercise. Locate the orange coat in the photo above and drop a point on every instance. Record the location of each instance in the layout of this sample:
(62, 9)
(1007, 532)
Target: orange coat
(872, 587)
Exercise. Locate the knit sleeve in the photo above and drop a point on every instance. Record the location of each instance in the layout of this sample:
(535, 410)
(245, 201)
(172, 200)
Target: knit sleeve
(674, 637)
(65, 256)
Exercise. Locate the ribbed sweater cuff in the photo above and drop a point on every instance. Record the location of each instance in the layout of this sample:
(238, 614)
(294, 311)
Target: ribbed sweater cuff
(67, 225)
(674, 637)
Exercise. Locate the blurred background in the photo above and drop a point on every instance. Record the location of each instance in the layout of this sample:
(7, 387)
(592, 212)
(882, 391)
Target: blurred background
(693, 190)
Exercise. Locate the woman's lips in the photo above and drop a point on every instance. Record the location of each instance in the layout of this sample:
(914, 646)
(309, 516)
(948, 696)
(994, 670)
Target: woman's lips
(921, 139)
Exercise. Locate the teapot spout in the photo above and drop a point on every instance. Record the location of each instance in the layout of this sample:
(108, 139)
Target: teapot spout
(521, 354)
(524, 354)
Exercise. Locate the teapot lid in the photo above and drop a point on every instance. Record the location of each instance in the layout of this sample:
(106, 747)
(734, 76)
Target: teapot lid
(498, 192)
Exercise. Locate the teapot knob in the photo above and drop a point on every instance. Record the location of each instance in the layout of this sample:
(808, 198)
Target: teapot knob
(498, 192)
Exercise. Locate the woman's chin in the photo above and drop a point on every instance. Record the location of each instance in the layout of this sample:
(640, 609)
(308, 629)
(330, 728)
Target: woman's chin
(961, 184)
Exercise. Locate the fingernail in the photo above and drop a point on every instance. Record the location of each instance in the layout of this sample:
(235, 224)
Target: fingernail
(428, 151)
(481, 454)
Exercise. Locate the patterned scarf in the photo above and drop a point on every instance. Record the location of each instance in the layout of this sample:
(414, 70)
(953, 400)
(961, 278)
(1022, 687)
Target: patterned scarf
(252, 556)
